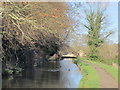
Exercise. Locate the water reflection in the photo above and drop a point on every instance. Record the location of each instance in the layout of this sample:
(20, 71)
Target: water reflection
(48, 76)
(70, 74)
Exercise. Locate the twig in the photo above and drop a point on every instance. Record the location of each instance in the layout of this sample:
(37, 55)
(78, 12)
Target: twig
(18, 26)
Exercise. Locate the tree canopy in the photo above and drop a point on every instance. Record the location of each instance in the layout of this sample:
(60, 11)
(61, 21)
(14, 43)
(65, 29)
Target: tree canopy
(31, 26)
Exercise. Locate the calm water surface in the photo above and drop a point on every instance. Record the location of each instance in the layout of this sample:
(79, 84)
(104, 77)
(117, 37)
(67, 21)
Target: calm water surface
(63, 75)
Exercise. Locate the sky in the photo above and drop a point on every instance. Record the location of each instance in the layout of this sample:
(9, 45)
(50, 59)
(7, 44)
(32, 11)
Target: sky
(112, 12)
(113, 17)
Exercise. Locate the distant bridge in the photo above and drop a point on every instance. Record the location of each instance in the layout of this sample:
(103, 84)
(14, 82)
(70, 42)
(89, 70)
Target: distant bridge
(69, 56)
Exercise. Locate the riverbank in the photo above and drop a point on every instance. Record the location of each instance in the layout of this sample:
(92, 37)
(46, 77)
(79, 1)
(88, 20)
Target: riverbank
(88, 72)
(106, 75)
(111, 70)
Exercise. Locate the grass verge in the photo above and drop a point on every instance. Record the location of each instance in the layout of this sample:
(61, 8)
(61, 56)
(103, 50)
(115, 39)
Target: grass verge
(90, 77)
(111, 70)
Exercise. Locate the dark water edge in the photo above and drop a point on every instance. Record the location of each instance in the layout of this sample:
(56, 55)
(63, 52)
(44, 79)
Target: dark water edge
(0, 73)
(63, 74)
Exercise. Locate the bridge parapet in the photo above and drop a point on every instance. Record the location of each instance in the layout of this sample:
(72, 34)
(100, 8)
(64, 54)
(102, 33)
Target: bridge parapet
(69, 56)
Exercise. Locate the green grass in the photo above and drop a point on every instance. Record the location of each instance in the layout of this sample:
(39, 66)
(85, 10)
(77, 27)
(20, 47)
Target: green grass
(111, 70)
(110, 61)
(90, 77)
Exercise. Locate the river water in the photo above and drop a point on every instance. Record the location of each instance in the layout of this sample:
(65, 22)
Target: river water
(63, 74)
